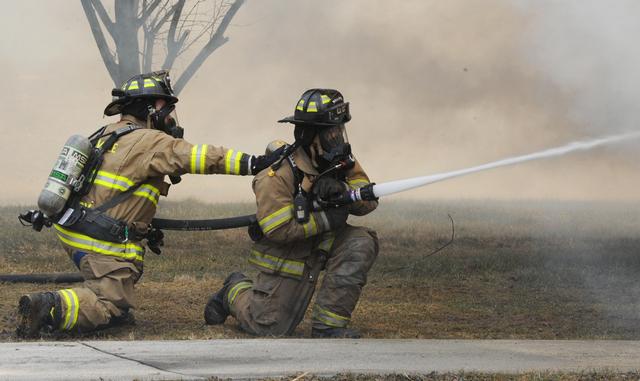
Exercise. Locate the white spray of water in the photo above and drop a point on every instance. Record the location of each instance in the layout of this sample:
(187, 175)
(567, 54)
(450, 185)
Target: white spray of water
(392, 187)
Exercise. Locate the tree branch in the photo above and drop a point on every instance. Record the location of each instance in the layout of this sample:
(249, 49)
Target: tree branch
(101, 42)
(104, 16)
(173, 45)
(148, 10)
(217, 40)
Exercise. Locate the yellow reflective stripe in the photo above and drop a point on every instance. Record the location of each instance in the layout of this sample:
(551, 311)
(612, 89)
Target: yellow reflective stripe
(149, 192)
(149, 83)
(327, 242)
(329, 318)
(300, 105)
(270, 262)
(203, 159)
(235, 290)
(312, 107)
(227, 162)
(325, 99)
(127, 250)
(357, 183)
(113, 181)
(199, 159)
(67, 301)
(194, 153)
(133, 85)
(76, 310)
(236, 163)
(109, 185)
(310, 228)
(276, 219)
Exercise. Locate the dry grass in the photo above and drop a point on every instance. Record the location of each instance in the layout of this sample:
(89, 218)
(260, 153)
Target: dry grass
(472, 376)
(531, 270)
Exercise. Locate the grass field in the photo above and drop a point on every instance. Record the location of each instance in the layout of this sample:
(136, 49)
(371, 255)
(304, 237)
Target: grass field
(516, 270)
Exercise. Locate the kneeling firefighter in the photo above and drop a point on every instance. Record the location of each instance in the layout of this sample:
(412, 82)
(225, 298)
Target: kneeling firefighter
(102, 195)
(303, 202)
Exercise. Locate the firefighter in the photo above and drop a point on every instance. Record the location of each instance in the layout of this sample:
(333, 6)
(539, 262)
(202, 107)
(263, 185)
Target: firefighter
(125, 193)
(296, 241)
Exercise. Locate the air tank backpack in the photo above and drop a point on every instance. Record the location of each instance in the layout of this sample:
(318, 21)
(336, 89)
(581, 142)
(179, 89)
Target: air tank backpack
(71, 178)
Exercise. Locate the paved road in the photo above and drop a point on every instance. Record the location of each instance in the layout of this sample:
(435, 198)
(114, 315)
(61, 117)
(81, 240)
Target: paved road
(238, 359)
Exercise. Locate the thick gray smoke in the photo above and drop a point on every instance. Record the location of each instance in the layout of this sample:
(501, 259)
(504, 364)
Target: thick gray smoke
(589, 49)
(434, 86)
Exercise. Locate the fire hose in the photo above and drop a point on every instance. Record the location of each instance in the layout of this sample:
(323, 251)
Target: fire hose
(368, 192)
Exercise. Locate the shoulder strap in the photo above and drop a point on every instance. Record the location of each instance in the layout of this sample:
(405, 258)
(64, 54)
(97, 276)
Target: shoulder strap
(117, 199)
(115, 135)
(93, 138)
(298, 175)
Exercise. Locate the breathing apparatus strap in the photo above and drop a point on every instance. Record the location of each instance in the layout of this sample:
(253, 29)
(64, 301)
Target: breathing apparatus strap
(95, 222)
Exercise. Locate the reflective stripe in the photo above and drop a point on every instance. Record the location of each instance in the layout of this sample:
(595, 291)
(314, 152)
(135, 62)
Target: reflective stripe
(329, 318)
(113, 181)
(149, 83)
(199, 159)
(312, 107)
(129, 250)
(72, 305)
(227, 161)
(327, 242)
(358, 183)
(235, 290)
(203, 160)
(325, 99)
(121, 183)
(133, 85)
(276, 219)
(300, 105)
(149, 192)
(232, 162)
(310, 228)
(282, 265)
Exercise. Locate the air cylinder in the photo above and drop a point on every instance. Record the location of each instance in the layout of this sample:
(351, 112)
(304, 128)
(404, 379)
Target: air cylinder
(64, 175)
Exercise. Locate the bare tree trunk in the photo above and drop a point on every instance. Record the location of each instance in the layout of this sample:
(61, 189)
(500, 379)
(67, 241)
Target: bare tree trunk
(101, 42)
(160, 20)
(216, 41)
(125, 35)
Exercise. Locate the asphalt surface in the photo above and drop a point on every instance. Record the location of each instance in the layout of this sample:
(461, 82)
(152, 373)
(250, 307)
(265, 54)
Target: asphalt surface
(242, 359)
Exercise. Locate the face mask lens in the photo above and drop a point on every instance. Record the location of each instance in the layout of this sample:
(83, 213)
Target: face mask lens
(172, 119)
(333, 137)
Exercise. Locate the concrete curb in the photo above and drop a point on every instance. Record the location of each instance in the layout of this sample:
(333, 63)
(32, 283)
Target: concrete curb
(252, 358)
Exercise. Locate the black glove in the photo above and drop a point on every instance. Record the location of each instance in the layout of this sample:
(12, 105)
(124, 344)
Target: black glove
(155, 240)
(337, 217)
(258, 163)
(331, 191)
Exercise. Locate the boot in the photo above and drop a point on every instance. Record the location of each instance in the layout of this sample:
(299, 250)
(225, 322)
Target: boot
(38, 311)
(335, 333)
(217, 308)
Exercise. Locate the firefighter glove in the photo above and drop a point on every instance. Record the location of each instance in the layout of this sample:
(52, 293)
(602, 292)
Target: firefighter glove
(332, 192)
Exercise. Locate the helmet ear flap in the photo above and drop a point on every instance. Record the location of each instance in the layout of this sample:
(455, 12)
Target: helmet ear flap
(304, 134)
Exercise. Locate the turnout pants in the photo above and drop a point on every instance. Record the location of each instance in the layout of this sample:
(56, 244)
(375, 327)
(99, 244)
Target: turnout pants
(274, 304)
(105, 297)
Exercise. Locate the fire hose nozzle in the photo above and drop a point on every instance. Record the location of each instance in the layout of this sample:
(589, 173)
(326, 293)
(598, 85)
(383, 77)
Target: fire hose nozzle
(367, 193)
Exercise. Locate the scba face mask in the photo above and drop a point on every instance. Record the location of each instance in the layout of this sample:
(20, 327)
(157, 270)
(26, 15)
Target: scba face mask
(335, 146)
(166, 120)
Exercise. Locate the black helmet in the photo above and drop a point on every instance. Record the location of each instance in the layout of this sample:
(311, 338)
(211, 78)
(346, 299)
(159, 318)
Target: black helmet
(320, 107)
(156, 85)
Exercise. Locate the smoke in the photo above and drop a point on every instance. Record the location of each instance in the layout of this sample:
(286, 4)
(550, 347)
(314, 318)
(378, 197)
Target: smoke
(433, 86)
(589, 50)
